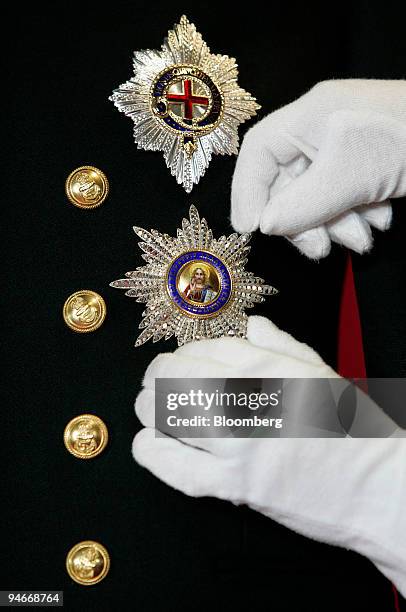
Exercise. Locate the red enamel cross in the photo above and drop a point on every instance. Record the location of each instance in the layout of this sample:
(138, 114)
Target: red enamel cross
(188, 99)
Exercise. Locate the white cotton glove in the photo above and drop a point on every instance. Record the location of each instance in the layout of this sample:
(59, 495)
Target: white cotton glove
(324, 167)
(348, 492)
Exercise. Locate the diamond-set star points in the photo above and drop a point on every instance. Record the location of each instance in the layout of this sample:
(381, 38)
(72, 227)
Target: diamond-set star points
(194, 286)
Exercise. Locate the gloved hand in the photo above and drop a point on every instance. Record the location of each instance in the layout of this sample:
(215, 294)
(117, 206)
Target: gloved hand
(348, 492)
(324, 167)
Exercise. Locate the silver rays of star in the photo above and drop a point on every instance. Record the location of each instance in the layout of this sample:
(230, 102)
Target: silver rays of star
(184, 45)
(147, 284)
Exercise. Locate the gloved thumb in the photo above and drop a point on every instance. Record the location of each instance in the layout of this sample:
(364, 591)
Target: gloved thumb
(265, 334)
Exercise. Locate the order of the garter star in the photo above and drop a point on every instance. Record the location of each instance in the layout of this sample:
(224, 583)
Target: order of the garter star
(186, 102)
(195, 286)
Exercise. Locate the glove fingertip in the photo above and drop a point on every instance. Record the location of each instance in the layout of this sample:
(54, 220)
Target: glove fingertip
(156, 369)
(144, 407)
(378, 215)
(142, 445)
(242, 221)
(314, 243)
(260, 330)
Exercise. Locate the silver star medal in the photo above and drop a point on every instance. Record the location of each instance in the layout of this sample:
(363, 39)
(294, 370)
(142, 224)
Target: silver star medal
(194, 286)
(186, 102)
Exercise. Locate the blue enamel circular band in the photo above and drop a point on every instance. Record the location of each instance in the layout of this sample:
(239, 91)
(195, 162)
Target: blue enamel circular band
(187, 125)
(225, 283)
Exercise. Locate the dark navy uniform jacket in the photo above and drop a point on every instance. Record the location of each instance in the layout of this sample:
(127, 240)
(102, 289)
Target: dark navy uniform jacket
(168, 551)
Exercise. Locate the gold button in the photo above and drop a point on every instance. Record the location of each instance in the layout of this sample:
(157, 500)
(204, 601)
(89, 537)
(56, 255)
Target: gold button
(85, 436)
(88, 562)
(87, 187)
(84, 311)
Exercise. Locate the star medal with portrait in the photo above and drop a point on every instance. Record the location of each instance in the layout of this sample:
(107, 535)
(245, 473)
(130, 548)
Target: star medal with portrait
(194, 286)
(185, 102)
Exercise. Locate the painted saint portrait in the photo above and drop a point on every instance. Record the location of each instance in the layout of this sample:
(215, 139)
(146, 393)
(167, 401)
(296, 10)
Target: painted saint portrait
(199, 283)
